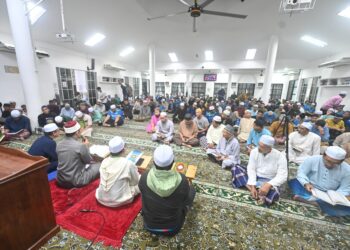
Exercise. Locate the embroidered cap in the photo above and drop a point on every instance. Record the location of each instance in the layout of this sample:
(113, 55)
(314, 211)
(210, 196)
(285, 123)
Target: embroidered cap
(71, 127)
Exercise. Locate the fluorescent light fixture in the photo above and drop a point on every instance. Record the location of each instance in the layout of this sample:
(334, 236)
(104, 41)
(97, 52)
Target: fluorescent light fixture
(127, 51)
(209, 56)
(35, 12)
(313, 41)
(95, 39)
(345, 12)
(173, 57)
(250, 54)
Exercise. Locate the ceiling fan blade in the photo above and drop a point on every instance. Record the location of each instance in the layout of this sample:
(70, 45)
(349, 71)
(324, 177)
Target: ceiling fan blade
(194, 25)
(206, 3)
(164, 16)
(185, 3)
(218, 13)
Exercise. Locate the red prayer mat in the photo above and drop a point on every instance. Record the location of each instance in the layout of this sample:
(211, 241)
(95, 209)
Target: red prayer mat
(67, 206)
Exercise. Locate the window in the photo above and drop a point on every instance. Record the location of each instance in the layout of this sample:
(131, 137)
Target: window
(246, 88)
(291, 90)
(160, 88)
(276, 91)
(314, 90)
(177, 88)
(218, 86)
(303, 89)
(198, 89)
(67, 86)
(145, 87)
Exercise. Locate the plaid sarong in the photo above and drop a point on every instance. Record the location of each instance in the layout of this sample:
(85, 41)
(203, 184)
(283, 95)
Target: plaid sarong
(203, 142)
(272, 196)
(239, 176)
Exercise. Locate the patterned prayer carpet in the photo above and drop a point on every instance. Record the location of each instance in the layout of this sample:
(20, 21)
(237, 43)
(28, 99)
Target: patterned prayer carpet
(222, 218)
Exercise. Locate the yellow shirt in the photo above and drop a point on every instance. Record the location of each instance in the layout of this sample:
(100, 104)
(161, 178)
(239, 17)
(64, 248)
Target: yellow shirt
(330, 124)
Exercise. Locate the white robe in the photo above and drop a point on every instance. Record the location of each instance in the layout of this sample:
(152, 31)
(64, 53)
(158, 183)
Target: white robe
(118, 182)
(308, 145)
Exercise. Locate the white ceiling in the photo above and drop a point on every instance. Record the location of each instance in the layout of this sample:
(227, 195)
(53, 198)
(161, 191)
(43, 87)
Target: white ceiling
(124, 23)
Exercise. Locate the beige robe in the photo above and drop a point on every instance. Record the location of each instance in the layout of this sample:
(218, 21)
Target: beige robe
(245, 127)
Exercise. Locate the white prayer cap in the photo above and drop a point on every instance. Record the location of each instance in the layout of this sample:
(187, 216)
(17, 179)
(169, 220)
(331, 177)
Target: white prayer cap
(255, 105)
(211, 108)
(113, 106)
(79, 114)
(336, 153)
(58, 119)
(218, 104)
(227, 112)
(163, 100)
(217, 118)
(318, 112)
(241, 103)
(163, 156)
(331, 109)
(182, 104)
(281, 105)
(163, 114)
(306, 125)
(267, 140)
(116, 144)
(228, 108)
(343, 93)
(50, 127)
(15, 113)
(91, 109)
(299, 104)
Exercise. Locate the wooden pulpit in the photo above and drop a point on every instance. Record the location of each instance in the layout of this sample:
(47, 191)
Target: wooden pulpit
(27, 219)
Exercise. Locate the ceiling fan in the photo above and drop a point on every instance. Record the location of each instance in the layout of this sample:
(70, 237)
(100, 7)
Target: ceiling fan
(196, 10)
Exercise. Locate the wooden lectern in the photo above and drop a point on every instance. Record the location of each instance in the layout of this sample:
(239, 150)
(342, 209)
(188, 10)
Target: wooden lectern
(27, 219)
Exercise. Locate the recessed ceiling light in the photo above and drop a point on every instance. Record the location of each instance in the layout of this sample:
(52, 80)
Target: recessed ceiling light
(173, 57)
(127, 51)
(250, 54)
(209, 56)
(345, 12)
(35, 12)
(313, 41)
(95, 39)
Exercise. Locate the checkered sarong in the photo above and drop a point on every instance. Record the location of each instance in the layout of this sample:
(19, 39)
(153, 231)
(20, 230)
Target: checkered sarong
(239, 176)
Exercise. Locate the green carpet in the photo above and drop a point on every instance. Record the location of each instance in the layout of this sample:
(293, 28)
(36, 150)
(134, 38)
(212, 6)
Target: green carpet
(222, 218)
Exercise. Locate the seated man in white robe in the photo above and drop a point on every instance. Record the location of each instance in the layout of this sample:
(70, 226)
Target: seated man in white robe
(164, 129)
(214, 134)
(303, 143)
(227, 151)
(119, 177)
(85, 123)
(266, 172)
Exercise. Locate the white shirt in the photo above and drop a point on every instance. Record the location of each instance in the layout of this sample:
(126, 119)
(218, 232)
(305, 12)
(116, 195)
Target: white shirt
(118, 182)
(272, 166)
(214, 134)
(308, 145)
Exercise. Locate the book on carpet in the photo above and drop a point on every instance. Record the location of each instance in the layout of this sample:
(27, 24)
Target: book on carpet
(101, 151)
(15, 133)
(332, 197)
(134, 156)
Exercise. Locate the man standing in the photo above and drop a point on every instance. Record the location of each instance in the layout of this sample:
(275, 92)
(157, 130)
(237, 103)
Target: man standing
(101, 95)
(75, 166)
(333, 102)
(266, 172)
(201, 122)
(164, 129)
(166, 195)
(46, 146)
(227, 151)
(303, 143)
(188, 132)
(119, 177)
(327, 172)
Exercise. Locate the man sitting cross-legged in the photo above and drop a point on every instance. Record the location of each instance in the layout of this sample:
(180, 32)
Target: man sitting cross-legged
(75, 166)
(188, 132)
(214, 134)
(166, 195)
(119, 177)
(17, 126)
(227, 151)
(164, 130)
(266, 172)
(324, 172)
(114, 118)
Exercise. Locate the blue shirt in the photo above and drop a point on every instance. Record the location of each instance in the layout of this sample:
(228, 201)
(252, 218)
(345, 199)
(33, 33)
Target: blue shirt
(67, 113)
(45, 146)
(325, 136)
(210, 115)
(16, 125)
(115, 114)
(313, 171)
(269, 118)
(254, 137)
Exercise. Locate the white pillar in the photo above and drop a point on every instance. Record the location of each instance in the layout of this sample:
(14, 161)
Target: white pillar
(270, 66)
(152, 69)
(25, 55)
